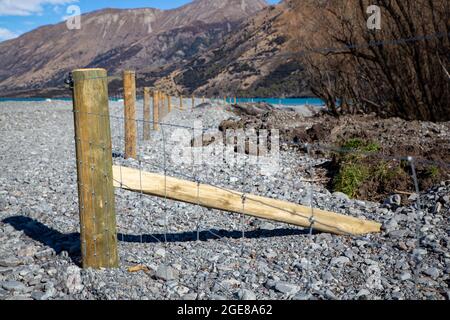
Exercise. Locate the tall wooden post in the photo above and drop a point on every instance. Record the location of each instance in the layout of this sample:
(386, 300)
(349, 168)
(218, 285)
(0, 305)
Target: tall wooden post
(155, 110)
(181, 102)
(163, 105)
(169, 103)
(94, 168)
(193, 102)
(129, 88)
(147, 127)
(203, 99)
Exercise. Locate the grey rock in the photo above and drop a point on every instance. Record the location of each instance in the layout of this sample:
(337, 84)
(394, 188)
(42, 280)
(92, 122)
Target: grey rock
(340, 261)
(245, 294)
(160, 252)
(270, 254)
(6, 270)
(10, 262)
(3, 203)
(167, 273)
(438, 207)
(286, 288)
(267, 226)
(190, 297)
(397, 295)
(391, 225)
(45, 253)
(341, 196)
(73, 281)
(405, 276)
(432, 272)
(363, 293)
(13, 286)
(270, 284)
(397, 234)
(38, 295)
(303, 296)
(394, 200)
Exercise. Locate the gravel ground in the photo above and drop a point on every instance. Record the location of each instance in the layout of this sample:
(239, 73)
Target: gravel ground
(39, 225)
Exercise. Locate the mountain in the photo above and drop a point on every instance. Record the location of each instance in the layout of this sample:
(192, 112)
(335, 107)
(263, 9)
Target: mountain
(257, 60)
(151, 41)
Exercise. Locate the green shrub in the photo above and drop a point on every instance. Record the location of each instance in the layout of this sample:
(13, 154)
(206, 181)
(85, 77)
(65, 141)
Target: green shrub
(350, 178)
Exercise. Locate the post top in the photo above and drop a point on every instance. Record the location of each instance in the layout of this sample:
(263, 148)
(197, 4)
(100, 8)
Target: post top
(89, 69)
(86, 74)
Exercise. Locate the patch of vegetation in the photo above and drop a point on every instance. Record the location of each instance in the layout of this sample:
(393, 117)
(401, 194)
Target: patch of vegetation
(360, 145)
(432, 172)
(356, 168)
(350, 178)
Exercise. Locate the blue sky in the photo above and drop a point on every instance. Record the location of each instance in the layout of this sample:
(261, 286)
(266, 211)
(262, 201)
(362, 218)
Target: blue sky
(20, 16)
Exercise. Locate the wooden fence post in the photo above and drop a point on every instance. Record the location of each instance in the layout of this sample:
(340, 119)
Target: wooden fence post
(147, 127)
(129, 87)
(193, 102)
(155, 110)
(94, 169)
(163, 105)
(181, 102)
(169, 103)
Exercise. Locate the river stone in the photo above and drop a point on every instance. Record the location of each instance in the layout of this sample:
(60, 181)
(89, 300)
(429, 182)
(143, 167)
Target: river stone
(13, 286)
(73, 282)
(286, 288)
(166, 273)
(245, 294)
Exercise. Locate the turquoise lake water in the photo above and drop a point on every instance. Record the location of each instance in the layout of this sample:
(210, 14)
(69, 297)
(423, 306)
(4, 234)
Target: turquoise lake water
(285, 102)
(274, 101)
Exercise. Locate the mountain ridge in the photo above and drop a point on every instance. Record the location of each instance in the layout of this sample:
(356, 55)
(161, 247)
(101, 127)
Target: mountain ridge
(256, 60)
(143, 38)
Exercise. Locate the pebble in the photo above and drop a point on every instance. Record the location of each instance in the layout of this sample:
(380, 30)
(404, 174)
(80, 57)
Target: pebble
(13, 286)
(363, 293)
(341, 196)
(166, 273)
(9, 262)
(45, 253)
(432, 272)
(405, 276)
(395, 200)
(303, 296)
(74, 282)
(161, 252)
(340, 261)
(245, 294)
(286, 288)
(37, 295)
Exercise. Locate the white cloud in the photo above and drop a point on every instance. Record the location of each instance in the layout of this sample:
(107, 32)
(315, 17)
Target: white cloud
(27, 7)
(6, 34)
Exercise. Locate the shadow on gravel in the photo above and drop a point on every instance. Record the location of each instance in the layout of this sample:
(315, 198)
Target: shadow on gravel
(71, 242)
(47, 236)
(212, 234)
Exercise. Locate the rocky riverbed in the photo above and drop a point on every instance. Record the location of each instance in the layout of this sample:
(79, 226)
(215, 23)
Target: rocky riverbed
(171, 250)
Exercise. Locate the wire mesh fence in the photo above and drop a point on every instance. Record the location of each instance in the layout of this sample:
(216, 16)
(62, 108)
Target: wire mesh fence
(172, 239)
